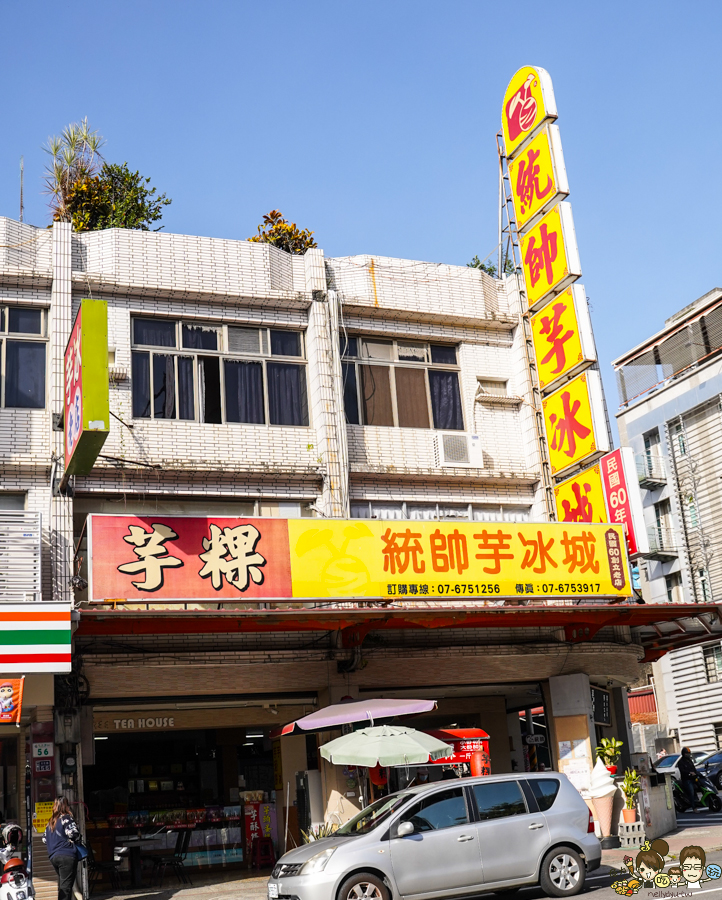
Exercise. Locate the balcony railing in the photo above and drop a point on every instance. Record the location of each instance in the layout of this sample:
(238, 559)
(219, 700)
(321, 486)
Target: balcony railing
(20, 557)
(651, 471)
(662, 544)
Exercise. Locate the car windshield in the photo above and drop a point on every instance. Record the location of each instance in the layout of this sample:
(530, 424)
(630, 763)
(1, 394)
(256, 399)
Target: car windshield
(374, 815)
(666, 762)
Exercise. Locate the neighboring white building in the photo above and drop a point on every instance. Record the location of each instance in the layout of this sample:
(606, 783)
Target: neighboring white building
(670, 391)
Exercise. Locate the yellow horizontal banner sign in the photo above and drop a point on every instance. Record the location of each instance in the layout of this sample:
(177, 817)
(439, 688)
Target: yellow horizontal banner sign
(410, 560)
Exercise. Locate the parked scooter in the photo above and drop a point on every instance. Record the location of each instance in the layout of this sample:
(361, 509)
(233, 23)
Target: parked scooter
(703, 786)
(14, 883)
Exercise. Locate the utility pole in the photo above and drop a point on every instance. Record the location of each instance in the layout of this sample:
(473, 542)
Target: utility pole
(22, 178)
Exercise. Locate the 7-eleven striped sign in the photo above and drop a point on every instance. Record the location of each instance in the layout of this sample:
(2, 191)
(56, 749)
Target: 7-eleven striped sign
(35, 637)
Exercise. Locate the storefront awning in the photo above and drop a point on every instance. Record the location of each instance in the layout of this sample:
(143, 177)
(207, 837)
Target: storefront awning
(657, 627)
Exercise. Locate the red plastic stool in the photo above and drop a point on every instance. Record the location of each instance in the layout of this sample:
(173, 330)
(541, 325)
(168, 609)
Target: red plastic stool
(263, 856)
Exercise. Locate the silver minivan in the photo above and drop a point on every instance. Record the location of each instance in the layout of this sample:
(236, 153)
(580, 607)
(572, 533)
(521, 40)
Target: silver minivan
(450, 838)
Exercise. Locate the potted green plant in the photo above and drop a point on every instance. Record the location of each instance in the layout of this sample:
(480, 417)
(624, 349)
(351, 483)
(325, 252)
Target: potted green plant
(609, 751)
(630, 787)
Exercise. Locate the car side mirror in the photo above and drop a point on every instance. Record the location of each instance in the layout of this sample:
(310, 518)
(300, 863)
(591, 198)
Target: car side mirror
(404, 829)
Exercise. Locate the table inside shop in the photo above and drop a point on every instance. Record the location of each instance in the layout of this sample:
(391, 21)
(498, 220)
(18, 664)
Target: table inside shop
(135, 845)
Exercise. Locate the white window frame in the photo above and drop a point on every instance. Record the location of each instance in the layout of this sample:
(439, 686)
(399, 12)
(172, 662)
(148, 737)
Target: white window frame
(223, 355)
(21, 336)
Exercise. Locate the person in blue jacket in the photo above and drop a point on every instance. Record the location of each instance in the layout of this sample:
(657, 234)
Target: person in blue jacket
(60, 837)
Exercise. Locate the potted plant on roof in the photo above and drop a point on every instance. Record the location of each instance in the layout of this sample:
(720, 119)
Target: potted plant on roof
(630, 787)
(609, 751)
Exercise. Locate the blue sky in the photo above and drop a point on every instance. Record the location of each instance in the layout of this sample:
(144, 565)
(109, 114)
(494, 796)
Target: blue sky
(373, 124)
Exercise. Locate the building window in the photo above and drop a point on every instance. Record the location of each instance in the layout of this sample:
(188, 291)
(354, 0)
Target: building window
(713, 663)
(692, 510)
(718, 735)
(673, 585)
(10, 500)
(495, 387)
(679, 439)
(373, 509)
(22, 356)
(404, 384)
(704, 585)
(218, 373)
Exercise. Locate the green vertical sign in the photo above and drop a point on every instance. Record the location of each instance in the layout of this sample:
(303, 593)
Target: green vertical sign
(86, 396)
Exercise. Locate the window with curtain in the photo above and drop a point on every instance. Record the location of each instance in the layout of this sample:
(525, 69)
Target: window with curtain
(23, 352)
(404, 384)
(217, 373)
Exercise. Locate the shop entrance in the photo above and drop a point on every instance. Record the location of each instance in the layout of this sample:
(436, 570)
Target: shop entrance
(154, 785)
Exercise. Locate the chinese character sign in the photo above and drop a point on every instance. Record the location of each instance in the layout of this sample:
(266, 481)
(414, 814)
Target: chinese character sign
(163, 557)
(538, 177)
(11, 700)
(86, 395)
(575, 423)
(581, 498)
(528, 104)
(624, 499)
(549, 256)
(562, 335)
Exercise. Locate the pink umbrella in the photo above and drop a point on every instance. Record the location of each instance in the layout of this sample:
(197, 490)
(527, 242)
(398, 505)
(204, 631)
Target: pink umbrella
(352, 711)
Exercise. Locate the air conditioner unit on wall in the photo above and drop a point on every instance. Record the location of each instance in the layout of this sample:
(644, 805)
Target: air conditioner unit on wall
(463, 450)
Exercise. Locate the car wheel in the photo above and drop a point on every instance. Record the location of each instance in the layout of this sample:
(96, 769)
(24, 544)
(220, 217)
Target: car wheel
(364, 886)
(562, 872)
(714, 803)
(718, 781)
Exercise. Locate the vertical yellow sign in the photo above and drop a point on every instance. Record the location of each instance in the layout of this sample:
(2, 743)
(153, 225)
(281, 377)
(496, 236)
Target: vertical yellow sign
(562, 336)
(538, 177)
(528, 103)
(571, 415)
(581, 498)
(549, 256)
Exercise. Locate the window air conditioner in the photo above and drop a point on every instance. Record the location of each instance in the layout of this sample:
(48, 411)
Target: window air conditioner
(462, 450)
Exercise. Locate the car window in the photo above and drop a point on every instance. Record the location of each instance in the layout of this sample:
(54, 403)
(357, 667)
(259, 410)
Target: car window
(545, 790)
(666, 762)
(499, 799)
(714, 759)
(372, 816)
(445, 809)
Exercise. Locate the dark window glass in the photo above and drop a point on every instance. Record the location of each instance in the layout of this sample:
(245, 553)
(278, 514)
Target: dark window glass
(437, 811)
(287, 401)
(443, 354)
(195, 337)
(2, 318)
(244, 392)
(411, 400)
(141, 385)
(25, 374)
(25, 321)
(376, 395)
(209, 389)
(163, 387)
(545, 790)
(446, 401)
(186, 406)
(154, 332)
(713, 760)
(498, 799)
(350, 394)
(349, 346)
(285, 343)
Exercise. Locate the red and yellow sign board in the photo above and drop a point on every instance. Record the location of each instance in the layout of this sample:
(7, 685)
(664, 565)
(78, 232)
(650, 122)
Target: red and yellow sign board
(562, 335)
(574, 422)
(538, 178)
(624, 498)
(581, 498)
(549, 256)
(528, 103)
(172, 557)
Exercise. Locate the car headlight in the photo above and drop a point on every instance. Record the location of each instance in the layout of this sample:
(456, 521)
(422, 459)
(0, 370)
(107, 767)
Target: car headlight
(318, 862)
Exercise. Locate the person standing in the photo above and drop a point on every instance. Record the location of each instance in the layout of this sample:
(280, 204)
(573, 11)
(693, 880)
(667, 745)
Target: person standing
(61, 835)
(688, 773)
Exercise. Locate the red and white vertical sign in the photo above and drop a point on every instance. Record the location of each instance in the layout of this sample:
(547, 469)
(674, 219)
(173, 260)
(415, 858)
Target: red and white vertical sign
(624, 498)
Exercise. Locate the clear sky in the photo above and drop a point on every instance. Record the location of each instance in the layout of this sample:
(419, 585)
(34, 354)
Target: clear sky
(373, 123)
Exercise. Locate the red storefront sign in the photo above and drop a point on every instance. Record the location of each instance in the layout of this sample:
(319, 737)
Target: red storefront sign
(624, 500)
(465, 741)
